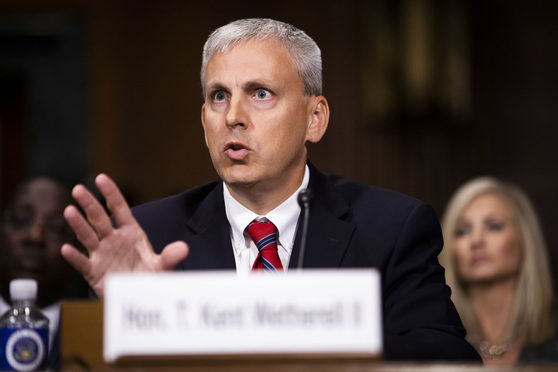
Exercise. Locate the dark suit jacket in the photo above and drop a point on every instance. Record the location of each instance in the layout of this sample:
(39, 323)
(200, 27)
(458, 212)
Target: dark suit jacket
(351, 225)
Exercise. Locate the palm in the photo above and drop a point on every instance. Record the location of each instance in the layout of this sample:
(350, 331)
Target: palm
(124, 248)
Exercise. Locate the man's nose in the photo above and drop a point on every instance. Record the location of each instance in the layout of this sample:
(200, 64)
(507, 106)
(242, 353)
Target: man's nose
(237, 113)
(37, 230)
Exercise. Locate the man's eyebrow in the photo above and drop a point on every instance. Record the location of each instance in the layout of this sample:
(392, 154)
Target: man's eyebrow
(254, 84)
(213, 87)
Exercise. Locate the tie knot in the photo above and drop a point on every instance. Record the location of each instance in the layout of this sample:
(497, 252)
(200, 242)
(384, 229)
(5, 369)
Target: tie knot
(262, 233)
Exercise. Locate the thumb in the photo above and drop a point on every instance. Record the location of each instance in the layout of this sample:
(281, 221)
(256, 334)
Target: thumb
(173, 253)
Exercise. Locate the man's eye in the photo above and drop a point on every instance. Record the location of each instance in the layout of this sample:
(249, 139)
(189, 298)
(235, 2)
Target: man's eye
(20, 221)
(219, 96)
(263, 94)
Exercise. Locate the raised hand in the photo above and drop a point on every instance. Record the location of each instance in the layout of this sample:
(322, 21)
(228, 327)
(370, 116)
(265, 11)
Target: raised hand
(125, 248)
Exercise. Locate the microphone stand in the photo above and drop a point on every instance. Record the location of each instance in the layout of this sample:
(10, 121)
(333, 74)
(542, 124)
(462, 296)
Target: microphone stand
(305, 200)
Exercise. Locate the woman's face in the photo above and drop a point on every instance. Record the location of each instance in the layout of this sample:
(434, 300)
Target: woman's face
(487, 241)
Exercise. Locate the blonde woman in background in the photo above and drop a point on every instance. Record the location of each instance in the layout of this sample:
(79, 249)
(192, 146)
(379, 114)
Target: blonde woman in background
(497, 267)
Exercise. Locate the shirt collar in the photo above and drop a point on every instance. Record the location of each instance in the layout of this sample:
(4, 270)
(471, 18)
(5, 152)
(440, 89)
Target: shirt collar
(284, 217)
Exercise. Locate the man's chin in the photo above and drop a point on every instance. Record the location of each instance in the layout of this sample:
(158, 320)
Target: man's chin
(238, 177)
(240, 183)
(29, 268)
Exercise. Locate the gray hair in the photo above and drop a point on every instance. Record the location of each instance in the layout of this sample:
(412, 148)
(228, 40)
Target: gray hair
(304, 51)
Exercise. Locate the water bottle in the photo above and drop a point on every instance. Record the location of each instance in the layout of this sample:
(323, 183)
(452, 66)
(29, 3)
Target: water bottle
(23, 330)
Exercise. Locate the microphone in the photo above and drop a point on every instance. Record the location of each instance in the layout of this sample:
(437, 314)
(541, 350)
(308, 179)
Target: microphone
(305, 200)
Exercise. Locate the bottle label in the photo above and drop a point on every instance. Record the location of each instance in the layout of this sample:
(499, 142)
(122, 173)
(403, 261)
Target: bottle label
(23, 349)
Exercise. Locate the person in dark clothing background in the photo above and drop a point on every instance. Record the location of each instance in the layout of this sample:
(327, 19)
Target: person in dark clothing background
(31, 232)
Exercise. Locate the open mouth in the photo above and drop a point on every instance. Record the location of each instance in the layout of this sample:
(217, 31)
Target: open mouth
(235, 146)
(236, 150)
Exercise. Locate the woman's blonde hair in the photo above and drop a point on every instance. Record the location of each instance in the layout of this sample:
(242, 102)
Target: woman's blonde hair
(532, 312)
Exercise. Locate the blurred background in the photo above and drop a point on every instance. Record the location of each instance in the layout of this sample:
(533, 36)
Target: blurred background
(424, 94)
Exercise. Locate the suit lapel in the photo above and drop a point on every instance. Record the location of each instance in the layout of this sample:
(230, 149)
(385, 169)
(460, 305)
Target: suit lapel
(329, 234)
(210, 244)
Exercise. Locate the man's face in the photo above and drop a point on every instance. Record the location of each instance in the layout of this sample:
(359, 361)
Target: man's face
(256, 118)
(34, 231)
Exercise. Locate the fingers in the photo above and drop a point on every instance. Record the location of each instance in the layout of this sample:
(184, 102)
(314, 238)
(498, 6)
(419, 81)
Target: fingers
(127, 251)
(115, 200)
(77, 259)
(84, 232)
(96, 214)
(173, 253)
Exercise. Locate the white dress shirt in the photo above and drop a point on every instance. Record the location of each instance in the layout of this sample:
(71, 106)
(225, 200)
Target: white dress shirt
(284, 217)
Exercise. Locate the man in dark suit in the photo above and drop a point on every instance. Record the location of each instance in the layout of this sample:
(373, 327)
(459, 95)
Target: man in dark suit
(261, 82)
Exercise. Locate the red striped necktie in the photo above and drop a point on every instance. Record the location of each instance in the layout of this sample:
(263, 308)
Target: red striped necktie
(264, 234)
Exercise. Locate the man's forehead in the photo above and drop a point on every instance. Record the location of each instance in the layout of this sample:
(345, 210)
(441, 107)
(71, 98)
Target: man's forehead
(257, 60)
(43, 194)
(263, 47)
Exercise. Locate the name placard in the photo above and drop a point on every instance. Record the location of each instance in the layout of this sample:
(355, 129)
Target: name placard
(201, 313)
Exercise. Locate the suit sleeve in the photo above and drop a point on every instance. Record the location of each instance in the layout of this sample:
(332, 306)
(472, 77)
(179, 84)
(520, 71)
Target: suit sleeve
(420, 321)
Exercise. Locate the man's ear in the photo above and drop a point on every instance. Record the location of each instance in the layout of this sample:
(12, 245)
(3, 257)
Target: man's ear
(318, 119)
(203, 123)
